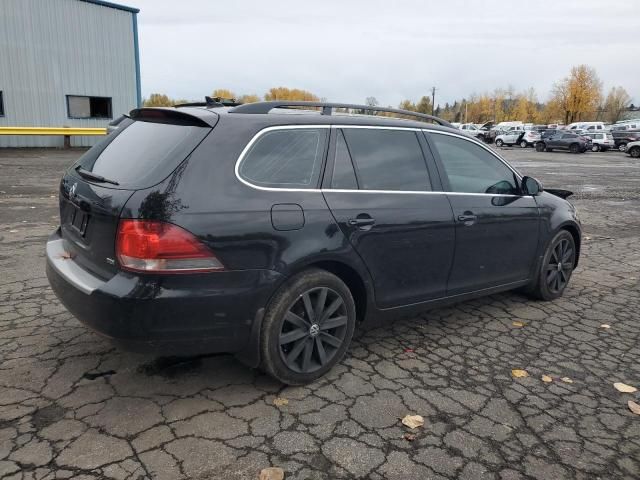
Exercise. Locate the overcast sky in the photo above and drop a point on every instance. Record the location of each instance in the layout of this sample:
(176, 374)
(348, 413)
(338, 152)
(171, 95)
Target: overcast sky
(348, 50)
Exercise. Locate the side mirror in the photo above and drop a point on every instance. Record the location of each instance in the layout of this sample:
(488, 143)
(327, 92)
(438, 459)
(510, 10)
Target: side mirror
(531, 186)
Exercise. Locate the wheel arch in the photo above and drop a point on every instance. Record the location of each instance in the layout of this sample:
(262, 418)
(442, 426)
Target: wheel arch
(352, 279)
(575, 233)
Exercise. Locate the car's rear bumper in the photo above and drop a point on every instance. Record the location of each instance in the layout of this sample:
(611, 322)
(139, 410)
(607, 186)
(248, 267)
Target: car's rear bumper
(170, 314)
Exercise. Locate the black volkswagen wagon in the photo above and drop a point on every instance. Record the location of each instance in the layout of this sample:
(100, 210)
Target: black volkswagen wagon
(271, 230)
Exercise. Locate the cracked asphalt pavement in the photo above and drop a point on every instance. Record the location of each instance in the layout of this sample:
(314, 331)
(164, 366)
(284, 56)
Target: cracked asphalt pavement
(72, 406)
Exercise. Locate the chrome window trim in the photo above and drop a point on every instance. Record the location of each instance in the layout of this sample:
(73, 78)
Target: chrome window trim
(255, 138)
(480, 144)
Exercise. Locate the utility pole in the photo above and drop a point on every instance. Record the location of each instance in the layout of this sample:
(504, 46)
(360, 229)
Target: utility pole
(433, 100)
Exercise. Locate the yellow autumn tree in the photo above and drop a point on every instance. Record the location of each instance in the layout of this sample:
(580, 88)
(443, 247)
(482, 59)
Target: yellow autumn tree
(249, 98)
(578, 95)
(223, 93)
(158, 100)
(284, 93)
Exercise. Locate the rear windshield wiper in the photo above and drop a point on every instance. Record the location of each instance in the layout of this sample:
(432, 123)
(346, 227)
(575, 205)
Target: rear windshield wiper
(92, 176)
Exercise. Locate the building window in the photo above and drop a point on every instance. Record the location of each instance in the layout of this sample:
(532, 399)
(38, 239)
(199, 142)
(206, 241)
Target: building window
(88, 107)
(1, 105)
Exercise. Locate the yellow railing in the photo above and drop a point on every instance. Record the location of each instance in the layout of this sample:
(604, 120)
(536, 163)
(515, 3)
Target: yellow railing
(64, 131)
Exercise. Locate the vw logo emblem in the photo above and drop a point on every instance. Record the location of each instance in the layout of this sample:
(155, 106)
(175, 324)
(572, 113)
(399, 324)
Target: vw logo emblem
(314, 330)
(72, 190)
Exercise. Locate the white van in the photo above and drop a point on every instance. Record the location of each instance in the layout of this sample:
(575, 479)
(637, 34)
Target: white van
(588, 126)
(627, 125)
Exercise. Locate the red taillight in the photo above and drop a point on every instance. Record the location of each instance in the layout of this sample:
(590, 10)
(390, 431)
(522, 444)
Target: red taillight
(159, 247)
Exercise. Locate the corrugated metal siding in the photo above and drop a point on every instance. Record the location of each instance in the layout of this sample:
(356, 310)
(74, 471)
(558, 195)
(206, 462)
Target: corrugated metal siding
(53, 48)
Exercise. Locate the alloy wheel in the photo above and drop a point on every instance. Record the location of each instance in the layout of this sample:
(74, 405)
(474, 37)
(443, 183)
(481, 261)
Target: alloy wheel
(313, 330)
(560, 265)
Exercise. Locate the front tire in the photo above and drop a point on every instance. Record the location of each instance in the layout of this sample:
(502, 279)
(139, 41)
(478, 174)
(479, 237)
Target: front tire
(555, 271)
(622, 147)
(499, 143)
(574, 148)
(540, 147)
(635, 152)
(595, 148)
(307, 327)
(524, 144)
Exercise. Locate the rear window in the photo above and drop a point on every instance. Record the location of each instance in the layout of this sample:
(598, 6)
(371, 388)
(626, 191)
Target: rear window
(140, 153)
(287, 158)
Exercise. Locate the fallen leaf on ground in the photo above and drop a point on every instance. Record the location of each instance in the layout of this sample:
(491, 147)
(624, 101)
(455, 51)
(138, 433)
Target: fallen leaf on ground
(410, 437)
(518, 323)
(605, 325)
(279, 401)
(408, 350)
(547, 378)
(519, 373)
(13, 231)
(272, 473)
(634, 407)
(624, 388)
(413, 421)
(566, 380)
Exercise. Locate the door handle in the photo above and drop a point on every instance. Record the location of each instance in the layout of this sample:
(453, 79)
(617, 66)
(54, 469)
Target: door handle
(361, 222)
(468, 219)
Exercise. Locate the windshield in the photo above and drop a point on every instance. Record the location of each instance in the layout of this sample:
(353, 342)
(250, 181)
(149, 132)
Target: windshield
(141, 153)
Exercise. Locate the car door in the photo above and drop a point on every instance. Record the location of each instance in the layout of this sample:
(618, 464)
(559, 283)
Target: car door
(381, 193)
(496, 227)
(555, 141)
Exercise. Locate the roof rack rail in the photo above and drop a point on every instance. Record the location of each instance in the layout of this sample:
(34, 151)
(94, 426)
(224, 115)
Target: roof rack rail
(210, 102)
(266, 107)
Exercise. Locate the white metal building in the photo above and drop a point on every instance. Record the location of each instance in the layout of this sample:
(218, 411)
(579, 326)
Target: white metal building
(66, 63)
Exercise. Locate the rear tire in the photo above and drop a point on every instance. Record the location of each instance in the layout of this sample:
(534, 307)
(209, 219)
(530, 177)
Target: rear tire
(307, 327)
(635, 152)
(554, 273)
(574, 148)
(595, 148)
(622, 147)
(499, 143)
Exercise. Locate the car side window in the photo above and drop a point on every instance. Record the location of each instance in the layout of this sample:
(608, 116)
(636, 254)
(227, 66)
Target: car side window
(344, 176)
(568, 136)
(289, 158)
(387, 159)
(472, 169)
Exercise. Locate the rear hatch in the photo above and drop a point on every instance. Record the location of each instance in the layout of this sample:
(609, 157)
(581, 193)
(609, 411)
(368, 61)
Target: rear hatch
(145, 149)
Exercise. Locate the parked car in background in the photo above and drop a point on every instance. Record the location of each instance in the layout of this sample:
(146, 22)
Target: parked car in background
(470, 129)
(622, 137)
(524, 138)
(271, 236)
(601, 141)
(564, 140)
(633, 149)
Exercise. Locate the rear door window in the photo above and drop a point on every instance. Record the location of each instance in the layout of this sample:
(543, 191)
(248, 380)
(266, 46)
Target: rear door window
(387, 159)
(286, 158)
(141, 153)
